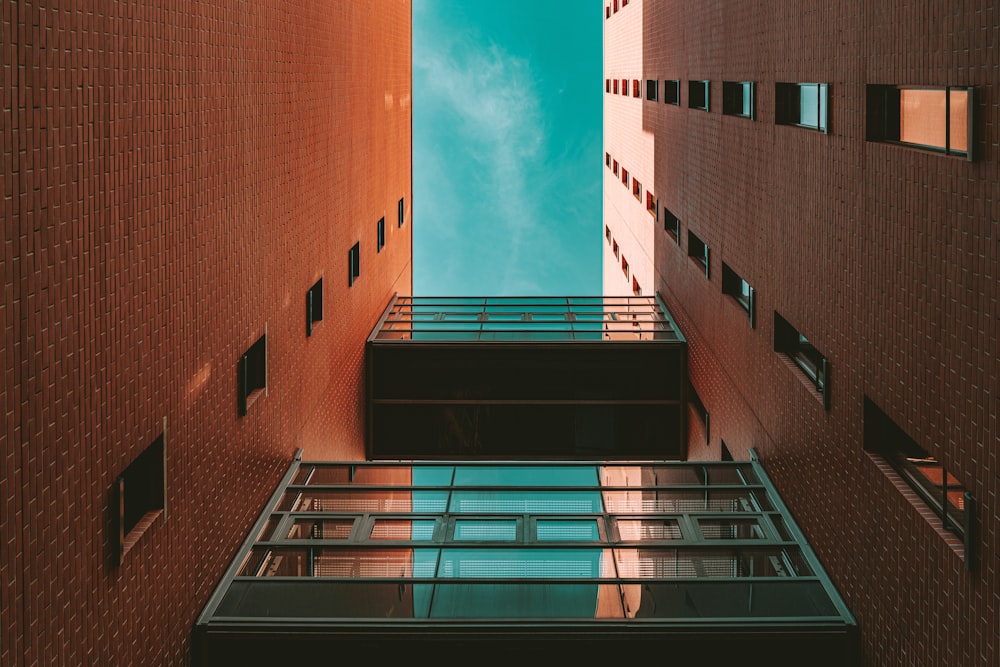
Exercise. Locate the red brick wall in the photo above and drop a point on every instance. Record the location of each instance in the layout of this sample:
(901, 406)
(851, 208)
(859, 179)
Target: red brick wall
(885, 257)
(177, 175)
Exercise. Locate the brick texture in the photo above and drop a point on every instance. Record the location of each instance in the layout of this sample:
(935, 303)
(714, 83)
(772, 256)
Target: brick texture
(885, 257)
(177, 175)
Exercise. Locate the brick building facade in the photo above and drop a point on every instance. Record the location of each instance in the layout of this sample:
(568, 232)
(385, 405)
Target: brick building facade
(177, 177)
(881, 254)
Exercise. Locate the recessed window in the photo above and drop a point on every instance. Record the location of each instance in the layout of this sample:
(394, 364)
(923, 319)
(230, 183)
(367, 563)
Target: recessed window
(614, 248)
(700, 412)
(615, 86)
(607, 85)
(938, 488)
(636, 88)
(252, 374)
(739, 289)
(614, 167)
(616, 5)
(738, 98)
(607, 160)
(625, 87)
(672, 92)
(698, 251)
(637, 189)
(402, 210)
(651, 89)
(726, 454)
(698, 92)
(353, 264)
(672, 225)
(624, 176)
(141, 495)
(636, 290)
(802, 104)
(314, 306)
(934, 119)
(651, 206)
(788, 341)
(607, 233)
(380, 232)
(625, 266)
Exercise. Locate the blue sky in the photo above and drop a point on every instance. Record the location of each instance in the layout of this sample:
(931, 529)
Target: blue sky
(507, 147)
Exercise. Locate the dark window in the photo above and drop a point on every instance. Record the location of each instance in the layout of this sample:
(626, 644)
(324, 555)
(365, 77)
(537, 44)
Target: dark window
(939, 489)
(353, 264)
(141, 495)
(607, 85)
(637, 189)
(672, 91)
(624, 176)
(624, 266)
(672, 225)
(802, 104)
(380, 231)
(699, 410)
(636, 88)
(607, 160)
(651, 90)
(402, 210)
(698, 251)
(607, 233)
(797, 347)
(726, 454)
(616, 5)
(252, 373)
(615, 85)
(314, 306)
(614, 247)
(738, 98)
(607, 12)
(614, 167)
(698, 95)
(625, 87)
(636, 290)
(739, 289)
(651, 206)
(936, 119)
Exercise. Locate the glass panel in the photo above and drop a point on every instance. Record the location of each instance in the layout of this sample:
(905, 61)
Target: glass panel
(352, 501)
(520, 601)
(525, 563)
(676, 563)
(809, 99)
(522, 502)
(268, 529)
(730, 529)
(381, 563)
(747, 99)
(364, 475)
(550, 530)
(680, 501)
(958, 133)
(922, 117)
(635, 530)
(496, 531)
(403, 530)
(321, 529)
(529, 476)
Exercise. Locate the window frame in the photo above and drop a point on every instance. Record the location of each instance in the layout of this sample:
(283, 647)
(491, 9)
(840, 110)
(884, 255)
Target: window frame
(380, 234)
(705, 85)
(788, 105)
(141, 494)
(699, 252)
(814, 365)
(733, 105)
(402, 211)
(314, 306)
(883, 118)
(739, 290)
(652, 90)
(252, 374)
(636, 188)
(672, 221)
(353, 264)
(674, 86)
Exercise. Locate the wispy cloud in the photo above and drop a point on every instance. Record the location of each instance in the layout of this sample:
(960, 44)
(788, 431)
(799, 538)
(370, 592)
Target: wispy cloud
(485, 102)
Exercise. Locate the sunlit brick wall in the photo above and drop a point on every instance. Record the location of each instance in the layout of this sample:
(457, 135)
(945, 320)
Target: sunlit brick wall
(176, 176)
(884, 256)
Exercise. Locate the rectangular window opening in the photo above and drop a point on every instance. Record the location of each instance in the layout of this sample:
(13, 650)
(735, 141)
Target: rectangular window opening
(803, 105)
(624, 176)
(651, 89)
(314, 306)
(788, 341)
(932, 119)
(694, 400)
(141, 494)
(941, 491)
(637, 189)
(402, 210)
(698, 95)
(672, 92)
(738, 98)
(625, 87)
(636, 87)
(739, 289)
(624, 266)
(672, 225)
(698, 251)
(380, 231)
(252, 374)
(353, 264)
(652, 207)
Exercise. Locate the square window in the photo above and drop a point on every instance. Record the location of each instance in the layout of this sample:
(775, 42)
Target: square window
(314, 306)
(252, 374)
(739, 289)
(380, 232)
(651, 90)
(933, 119)
(738, 98)
(698, 251)
(802, 104)
(788, 341)
(672, 225)
(698, 92)
(672, 92)
(637, 189)
(402, 210)
(353, 264)
(141, 494)
(939, 489)
(635, 88)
